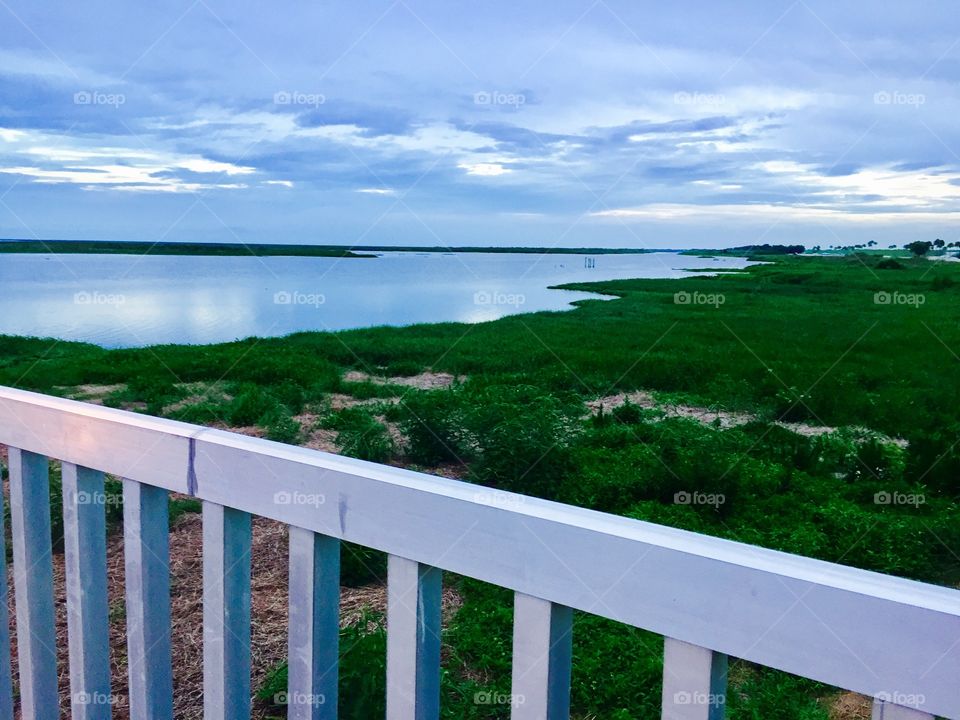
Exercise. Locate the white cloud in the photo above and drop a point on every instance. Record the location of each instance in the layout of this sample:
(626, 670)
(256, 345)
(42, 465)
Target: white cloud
(765, 213)
(377, 191)
(484, 169)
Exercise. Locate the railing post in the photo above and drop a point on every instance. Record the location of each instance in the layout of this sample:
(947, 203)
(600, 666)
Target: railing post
(85, 555)
(694, 682)
(314, 630)
(146, 550)
(414, 593)
(883, 710)
(33, 581)
(226, 613)
(6, 677)
(542, 652)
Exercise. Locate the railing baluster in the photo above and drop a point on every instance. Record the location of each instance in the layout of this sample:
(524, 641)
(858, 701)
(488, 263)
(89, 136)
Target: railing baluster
(6, 677)
(146, 549)
(694, 682)
(226, 613)
(414, 593)
(542, 652)
(33, 581)
(887, 711)
(85, 555)
(314, 630)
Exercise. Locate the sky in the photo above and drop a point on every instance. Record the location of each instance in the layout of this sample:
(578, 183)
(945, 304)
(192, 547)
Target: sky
(420, 122)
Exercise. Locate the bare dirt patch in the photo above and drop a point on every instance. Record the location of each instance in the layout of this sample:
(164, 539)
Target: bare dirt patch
(424, 381)
(850, 706)
(724, 419)
(94, 394)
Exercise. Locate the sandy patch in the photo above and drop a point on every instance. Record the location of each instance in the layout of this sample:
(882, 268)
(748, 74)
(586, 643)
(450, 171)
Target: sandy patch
(639, 398)
(850, 706)
(424, 381)
(94, 394)
(646, 401)
(725, 419)
(338, 401)
(322, 439)
(199, 392)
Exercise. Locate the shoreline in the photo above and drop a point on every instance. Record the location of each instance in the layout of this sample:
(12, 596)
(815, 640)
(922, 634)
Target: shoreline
(123, 247)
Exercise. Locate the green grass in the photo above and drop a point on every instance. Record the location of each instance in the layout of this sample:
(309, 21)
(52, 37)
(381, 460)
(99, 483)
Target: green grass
(848, 341)
(110, 247)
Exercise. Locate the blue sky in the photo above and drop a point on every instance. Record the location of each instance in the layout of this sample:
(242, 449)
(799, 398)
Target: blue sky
(595, 122)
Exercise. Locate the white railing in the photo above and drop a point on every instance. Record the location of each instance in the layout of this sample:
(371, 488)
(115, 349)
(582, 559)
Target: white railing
(892, 639)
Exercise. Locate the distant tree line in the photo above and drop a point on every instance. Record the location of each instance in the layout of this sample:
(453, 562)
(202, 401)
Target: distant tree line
(766, 250)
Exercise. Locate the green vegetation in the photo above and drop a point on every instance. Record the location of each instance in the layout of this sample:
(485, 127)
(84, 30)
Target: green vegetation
(852, 342)
(123, 247)
(111, 247)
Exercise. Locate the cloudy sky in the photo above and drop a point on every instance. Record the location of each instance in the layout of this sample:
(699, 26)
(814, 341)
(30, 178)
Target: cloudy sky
(562, 123)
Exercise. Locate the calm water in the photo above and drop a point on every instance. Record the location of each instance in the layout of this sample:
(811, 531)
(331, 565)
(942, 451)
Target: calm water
(119, 301)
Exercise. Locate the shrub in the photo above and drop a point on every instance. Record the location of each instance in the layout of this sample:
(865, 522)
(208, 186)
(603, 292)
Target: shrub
(434, 424)
(362, 436)
(249, 405)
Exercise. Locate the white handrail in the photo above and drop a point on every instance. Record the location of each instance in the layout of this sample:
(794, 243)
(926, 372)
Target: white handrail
(878, 635)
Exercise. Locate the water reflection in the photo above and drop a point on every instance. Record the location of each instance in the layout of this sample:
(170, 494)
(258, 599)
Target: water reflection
(119, 301)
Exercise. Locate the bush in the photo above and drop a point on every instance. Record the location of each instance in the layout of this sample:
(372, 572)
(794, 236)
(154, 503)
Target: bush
(362, 436)
(434, 424)
(250, 405)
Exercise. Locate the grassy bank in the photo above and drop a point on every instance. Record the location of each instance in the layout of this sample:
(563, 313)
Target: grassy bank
(111, 247)
(107, 247)
(813, 399)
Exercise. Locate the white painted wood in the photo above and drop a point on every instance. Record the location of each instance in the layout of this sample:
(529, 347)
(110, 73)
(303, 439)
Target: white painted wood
(33, 583)
(226, 613)
(888, 711)
(542, 652)
(85, 556)
(120, 443)
(413, 640)
(6, 677)
(146, 548)
(854, 629)
(314, 630)
(850, 628)
(694, 682)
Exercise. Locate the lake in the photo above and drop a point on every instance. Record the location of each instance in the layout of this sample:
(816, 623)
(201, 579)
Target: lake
(132, 301)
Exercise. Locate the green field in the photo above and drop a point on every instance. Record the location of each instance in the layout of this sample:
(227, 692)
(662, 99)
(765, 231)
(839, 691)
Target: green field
(805, 393)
